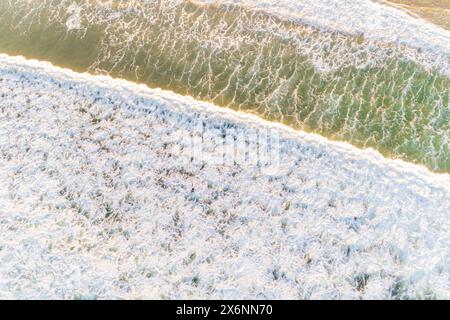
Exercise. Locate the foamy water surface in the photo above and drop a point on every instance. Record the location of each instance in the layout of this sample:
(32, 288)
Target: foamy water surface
(100, 197)
(353, 71)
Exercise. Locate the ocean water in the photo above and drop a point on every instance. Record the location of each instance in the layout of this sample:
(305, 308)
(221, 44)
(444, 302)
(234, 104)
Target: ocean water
(223, 149)
(100, 199)
(374, 77)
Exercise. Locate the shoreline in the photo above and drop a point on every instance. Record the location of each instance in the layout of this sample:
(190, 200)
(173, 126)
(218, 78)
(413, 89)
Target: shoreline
(420, 10)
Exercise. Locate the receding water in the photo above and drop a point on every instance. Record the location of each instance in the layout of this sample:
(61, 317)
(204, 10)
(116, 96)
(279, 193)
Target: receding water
(345, 87)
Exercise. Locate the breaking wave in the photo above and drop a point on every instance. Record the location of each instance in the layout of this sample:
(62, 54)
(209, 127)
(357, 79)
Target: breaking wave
(100, 198)
(339, 72)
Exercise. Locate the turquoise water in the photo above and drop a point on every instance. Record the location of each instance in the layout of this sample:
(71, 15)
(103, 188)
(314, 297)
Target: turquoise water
(341, 86)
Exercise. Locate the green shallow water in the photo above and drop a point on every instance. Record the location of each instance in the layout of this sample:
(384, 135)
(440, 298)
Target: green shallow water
(340, 86)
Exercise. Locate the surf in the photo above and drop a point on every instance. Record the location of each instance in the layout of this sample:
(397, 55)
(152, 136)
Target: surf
(343, 84)
(101, 199)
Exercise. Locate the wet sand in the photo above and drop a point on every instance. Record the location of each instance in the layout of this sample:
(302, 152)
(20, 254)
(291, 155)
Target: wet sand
(434, 11)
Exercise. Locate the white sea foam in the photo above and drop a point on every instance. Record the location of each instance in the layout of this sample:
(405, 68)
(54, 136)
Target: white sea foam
(99, 198)
(374, 20)
(74, 20)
